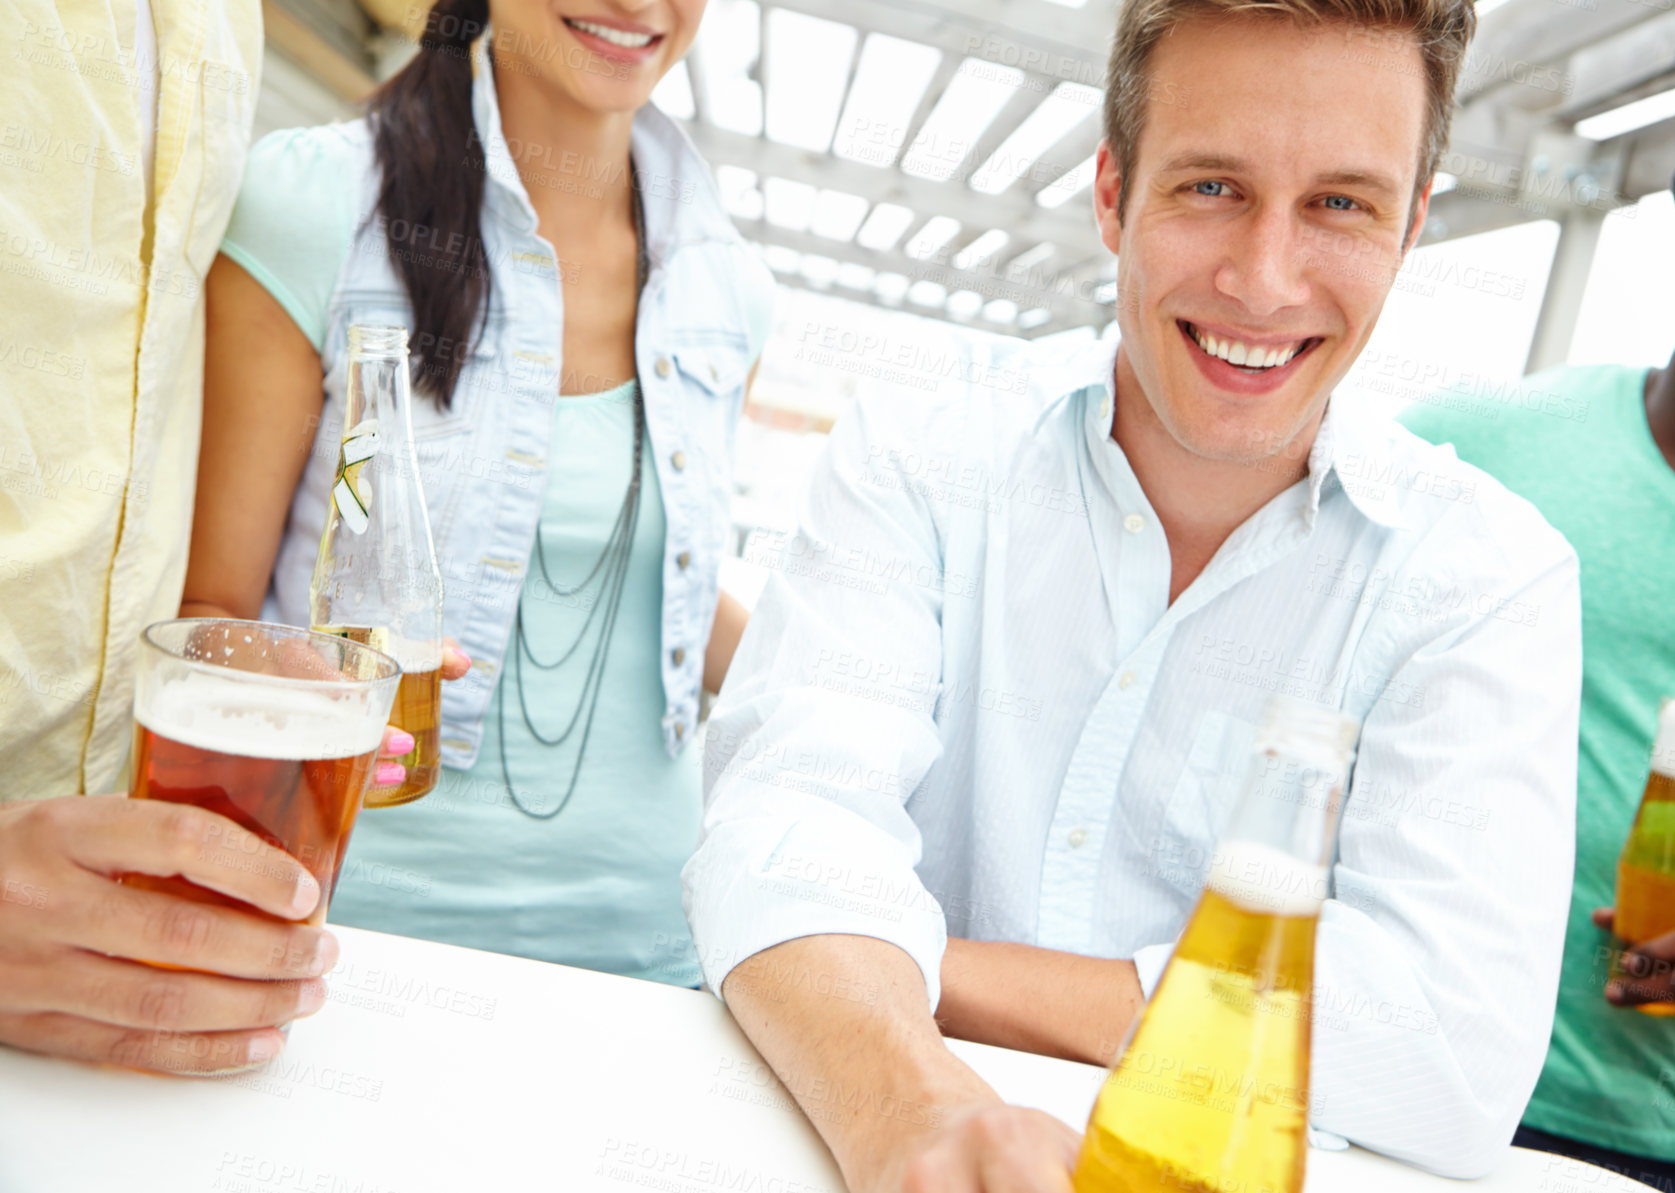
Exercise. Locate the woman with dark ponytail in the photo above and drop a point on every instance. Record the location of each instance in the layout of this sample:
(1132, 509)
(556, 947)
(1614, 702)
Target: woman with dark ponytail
(584, 319)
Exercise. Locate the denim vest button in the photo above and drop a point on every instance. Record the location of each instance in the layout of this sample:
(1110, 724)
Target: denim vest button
(680, 655)
(664, 368)
(684, 559)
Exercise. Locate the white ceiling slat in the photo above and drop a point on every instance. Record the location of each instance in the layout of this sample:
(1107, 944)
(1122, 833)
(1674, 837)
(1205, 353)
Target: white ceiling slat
(963, 305)
(1046, 288)
(805, 70)
(891, 78)
(926, 244)
(945, 72)
(1001, 310)
(1057, 43)
(1648, 110)
(1068, 185)
(981, 250)
(1023, 108)
(972, 101)
(884, 226)
(855, 277)
(837, 214)
(891, 288)
(1026, 148)
(788, 203)
(1020, 265)
(926, 293)
(1018, 213)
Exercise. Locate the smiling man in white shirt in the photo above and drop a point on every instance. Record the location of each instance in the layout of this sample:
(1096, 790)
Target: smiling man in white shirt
(992, 710)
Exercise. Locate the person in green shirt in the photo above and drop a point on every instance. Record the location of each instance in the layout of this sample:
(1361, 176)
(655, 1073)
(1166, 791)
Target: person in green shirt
(1594, 449)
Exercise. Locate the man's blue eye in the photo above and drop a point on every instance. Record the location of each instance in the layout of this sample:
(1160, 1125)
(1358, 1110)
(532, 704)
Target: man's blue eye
(1340, 203)
(1208, 188)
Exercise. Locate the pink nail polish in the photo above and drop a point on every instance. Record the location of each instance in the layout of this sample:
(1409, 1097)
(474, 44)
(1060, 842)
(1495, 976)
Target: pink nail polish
(390, 772)
(401, 743)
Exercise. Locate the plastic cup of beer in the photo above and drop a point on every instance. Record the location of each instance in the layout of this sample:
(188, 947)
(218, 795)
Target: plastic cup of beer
(274, 727)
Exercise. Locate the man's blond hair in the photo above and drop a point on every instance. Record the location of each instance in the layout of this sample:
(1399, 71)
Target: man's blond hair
(1442, 30)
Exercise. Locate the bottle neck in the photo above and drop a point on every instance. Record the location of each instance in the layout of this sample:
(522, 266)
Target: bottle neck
(379, 389)
(1274, 854)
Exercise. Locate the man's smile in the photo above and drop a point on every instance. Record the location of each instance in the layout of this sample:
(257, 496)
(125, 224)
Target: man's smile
(1251, 354)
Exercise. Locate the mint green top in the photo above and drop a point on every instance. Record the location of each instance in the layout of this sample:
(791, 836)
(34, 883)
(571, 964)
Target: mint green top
(598, 885)
(305, 182)
(1575, 442)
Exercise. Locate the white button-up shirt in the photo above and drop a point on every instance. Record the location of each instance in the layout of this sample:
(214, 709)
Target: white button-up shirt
(965, 704)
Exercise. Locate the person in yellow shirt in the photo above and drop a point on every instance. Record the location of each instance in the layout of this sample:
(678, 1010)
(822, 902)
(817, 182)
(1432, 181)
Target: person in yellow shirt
(123, 131)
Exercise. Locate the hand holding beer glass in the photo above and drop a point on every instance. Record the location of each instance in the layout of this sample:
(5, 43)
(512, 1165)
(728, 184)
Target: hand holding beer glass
(274, 728)
(253, 744)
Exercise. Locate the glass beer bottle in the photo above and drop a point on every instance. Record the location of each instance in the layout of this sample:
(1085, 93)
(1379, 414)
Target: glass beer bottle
(375, 579)
(1210, 1091)
(1646, 868)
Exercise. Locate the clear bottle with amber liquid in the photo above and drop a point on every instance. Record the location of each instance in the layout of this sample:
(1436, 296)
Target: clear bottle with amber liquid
(375, 579)
(1210, 1091)
(1645, 902)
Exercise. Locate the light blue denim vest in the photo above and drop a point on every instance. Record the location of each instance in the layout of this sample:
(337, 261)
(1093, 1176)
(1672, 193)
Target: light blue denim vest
(483, 462)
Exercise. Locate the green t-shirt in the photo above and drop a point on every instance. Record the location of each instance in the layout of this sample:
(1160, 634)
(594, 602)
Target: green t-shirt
(1574, 441)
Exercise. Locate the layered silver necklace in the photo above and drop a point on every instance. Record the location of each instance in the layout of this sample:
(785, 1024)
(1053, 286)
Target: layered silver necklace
(609, 571)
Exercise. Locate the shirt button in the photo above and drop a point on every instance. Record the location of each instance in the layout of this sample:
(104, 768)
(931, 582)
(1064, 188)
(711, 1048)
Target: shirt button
(680, 730)
(1134, 524)
(684, 559)
(1126, 681)
(1078, 838)
(664, 368)
(679, 655)
(678, 460)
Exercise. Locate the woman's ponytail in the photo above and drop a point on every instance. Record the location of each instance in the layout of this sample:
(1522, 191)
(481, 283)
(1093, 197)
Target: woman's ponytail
(430, 200)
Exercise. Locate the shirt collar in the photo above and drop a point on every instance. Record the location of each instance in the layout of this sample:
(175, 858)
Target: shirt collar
(1346, 440)
(681, 201)
(1342, 443)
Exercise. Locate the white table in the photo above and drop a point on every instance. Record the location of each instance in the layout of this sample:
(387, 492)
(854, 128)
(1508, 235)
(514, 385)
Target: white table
(435, 1069)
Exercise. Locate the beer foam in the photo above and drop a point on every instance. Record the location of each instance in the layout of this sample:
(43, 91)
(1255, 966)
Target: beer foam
(260, 720)
(1264, 879)
(1663, 746)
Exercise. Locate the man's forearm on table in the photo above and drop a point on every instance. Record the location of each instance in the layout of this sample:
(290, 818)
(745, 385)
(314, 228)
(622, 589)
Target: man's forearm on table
(1037, 1000)
(871, 1072)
